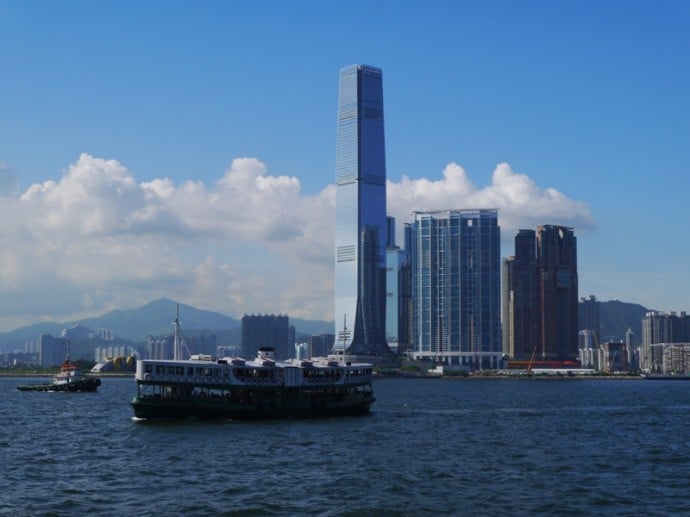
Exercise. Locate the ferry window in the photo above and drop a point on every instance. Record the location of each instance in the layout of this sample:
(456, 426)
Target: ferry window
(148, 368)
(160, 368)
(215, 372)
(199, 371)
(207, 372)
(190, 370)
(226, 373)
(179, 370)
(171, 370)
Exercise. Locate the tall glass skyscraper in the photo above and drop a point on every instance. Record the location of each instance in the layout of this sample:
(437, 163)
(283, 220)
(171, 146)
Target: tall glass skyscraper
(456, 287)
(360, 226)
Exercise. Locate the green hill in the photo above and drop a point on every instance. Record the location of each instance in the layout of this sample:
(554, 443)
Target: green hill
(617, 317)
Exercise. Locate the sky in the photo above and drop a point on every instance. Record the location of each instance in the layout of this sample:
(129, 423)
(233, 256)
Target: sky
(187, 149)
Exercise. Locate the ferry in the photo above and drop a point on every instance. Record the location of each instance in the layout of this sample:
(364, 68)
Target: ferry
(263, 388)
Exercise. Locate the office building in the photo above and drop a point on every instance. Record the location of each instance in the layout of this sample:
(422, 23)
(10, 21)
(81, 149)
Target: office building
(455, 260)
(361, 225)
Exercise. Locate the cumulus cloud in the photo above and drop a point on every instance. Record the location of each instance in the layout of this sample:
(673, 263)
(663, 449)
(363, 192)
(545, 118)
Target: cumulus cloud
(98, 239)
(521, 203)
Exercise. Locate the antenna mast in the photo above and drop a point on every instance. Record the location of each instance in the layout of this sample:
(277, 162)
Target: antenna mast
(178, 338)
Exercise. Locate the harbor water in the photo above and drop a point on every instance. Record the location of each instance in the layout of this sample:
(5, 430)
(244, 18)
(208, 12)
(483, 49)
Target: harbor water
(430, 447)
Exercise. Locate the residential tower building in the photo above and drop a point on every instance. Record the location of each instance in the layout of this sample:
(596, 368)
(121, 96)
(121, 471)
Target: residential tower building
(455, 260)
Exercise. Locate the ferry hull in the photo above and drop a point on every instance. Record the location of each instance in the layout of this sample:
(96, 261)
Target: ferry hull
(280, 406)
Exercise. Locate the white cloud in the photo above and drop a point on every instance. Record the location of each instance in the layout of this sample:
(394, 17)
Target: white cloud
(521, 203)
(252, 242)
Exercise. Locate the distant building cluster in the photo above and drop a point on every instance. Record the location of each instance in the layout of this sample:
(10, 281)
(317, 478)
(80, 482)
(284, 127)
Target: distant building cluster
(665, 343)
(81, 333)
(163, 347)
(102, 354)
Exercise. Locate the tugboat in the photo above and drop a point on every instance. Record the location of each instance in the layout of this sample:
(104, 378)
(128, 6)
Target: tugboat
(70, 378)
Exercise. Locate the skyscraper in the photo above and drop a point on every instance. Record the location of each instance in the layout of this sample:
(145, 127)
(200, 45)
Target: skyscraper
(360, 226)
(540, 304)
(557, 284)
(456, 287)
(521, 325)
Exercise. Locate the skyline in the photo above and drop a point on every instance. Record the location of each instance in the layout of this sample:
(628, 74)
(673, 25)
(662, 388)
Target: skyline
(200, 140)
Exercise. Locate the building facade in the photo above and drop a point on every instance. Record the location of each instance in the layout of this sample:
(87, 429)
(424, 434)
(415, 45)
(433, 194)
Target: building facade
(455, 261)
(361, 226)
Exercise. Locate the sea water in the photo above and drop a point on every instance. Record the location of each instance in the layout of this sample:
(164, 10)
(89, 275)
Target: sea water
(430, 447)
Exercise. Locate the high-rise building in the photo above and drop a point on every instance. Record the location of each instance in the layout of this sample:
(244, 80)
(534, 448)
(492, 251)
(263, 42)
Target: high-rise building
(455, 259)
(266, 330)
(398, 294)
(52, 350)
(360, 227)
(661, 327)
(557, 284)
(520, 314)
(540, 300)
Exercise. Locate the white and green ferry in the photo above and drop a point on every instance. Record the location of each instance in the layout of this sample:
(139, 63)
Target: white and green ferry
(231, 387)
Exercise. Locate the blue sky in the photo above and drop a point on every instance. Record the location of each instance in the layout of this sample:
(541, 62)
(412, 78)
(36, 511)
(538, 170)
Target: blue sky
(141, 141)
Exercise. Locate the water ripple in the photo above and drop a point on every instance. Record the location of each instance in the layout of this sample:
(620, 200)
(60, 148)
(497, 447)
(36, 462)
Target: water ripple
(429, 448)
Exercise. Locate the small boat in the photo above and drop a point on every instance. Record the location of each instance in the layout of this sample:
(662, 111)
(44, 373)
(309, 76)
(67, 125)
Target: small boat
(70, 379)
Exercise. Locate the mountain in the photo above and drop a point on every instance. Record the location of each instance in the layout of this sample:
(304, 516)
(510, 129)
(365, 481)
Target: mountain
(155, 318)
(617, 317)
(15, 339)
